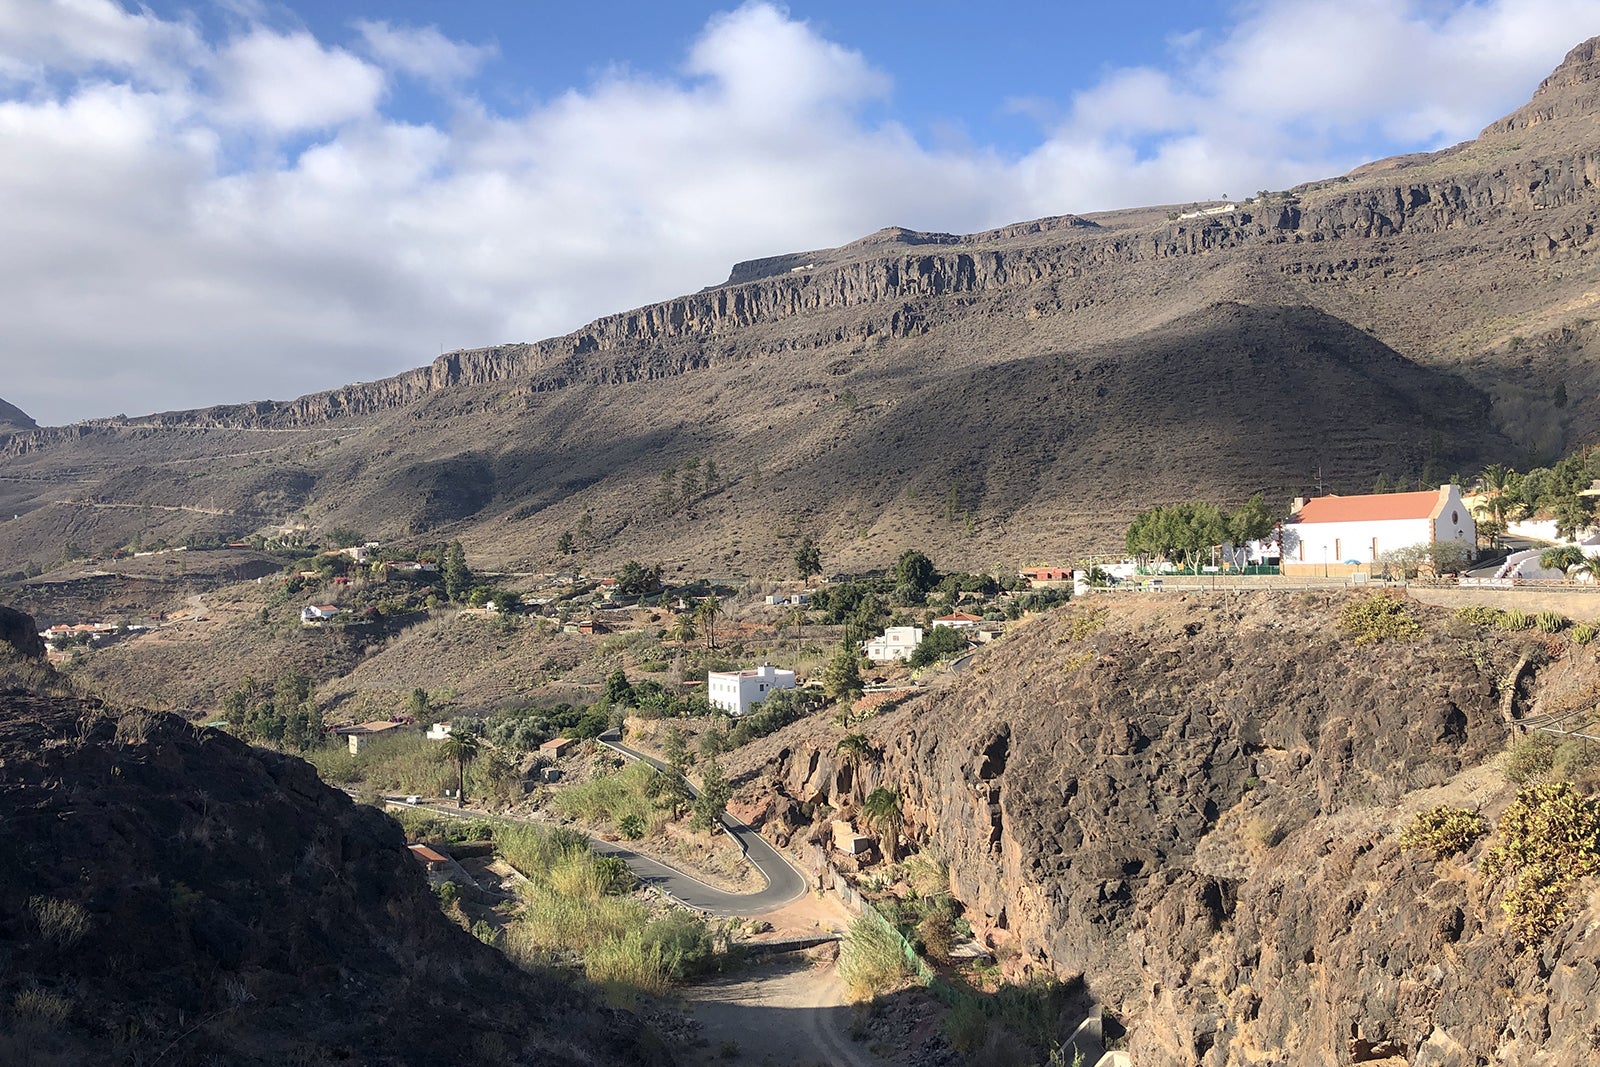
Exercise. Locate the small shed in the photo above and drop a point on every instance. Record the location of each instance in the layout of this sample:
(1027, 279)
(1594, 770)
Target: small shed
(846, 840)
(557, 747)
(431, 859)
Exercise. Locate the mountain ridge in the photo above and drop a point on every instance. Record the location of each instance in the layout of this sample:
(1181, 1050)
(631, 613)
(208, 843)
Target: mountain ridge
(1471, 265)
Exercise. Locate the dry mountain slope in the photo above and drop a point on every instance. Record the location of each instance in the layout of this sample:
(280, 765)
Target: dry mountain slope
(1057, 374)
(172, 895)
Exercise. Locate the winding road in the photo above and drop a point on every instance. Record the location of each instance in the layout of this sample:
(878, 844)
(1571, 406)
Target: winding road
(784, 882)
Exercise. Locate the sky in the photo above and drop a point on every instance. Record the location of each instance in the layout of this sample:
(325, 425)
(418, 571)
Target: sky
(217, 202)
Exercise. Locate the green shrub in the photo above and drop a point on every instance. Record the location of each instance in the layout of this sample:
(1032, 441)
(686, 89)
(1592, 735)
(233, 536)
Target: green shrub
(485, 933)
(1548, 839)
(1379, 618)
(1477, 614)
(872, 959)
(1581, 633)
(1444, 831)
(628, 966)
(631, 826)
(1512, 620)
(967, 1025)
(610, 798)
(1575, 760)
(1530, 757)
(1551, 622)
(687, 940)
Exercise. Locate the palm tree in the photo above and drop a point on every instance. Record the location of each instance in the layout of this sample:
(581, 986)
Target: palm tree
(856, 750)
(1562, 558)
(708, 611)
(685, 631)
(463, 748)
(797, 615)
(1493, 477)
(882, 811)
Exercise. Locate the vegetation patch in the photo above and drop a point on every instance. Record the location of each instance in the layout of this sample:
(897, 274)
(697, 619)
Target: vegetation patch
(578, 913)
(1547, 840)
(1379, 618)
(1444, 831)
(872, 959)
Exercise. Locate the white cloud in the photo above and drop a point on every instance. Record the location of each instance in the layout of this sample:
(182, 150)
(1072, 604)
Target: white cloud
(425, 53)
(193, 222)
(79, 36)
(289, 82)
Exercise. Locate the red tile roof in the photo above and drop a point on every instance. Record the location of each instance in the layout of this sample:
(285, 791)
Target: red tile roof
(959, 616)
(1375, 507)
(426, 854)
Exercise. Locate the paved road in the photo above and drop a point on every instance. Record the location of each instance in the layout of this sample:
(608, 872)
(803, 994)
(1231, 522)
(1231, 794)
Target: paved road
(784, 882)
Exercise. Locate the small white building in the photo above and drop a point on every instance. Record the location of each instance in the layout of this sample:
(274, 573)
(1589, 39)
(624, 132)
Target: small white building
(1333, 533)
(736, 692)
(438, 731)
(894, 646)
(312, 614)
(959, 620)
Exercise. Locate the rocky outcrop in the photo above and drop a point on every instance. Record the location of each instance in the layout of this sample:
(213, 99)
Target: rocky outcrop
(1572, 91)
(20, 633)
(1193, 803)
(172, 895)
(14, 418)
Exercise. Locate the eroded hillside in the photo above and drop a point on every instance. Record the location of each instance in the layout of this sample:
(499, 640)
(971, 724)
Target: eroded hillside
(172, 895)
(1195, 803)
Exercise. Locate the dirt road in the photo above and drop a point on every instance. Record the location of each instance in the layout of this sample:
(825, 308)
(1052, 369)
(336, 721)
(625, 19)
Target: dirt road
(788, 1010)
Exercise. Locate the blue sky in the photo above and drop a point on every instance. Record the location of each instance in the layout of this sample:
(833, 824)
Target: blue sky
(223, 201)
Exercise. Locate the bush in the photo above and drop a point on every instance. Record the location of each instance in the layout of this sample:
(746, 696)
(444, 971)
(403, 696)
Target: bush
(1581, 633)
(1551, 622)
(1549, 838)
(1444, 831)
(685, 939)
(1512, 620)
(1531, 757)
(1477, 614)
(872, 959)
(610, 798)
(1379, 618)
(631, 826)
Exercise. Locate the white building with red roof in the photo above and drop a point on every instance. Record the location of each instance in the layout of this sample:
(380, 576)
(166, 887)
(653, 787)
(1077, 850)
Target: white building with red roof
(1334, 532)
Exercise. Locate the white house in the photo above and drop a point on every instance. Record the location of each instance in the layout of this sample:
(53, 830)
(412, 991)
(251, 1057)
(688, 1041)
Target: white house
(895, 644)
(315, 613)
(736, 692)
(959, 620)
(1330, 534)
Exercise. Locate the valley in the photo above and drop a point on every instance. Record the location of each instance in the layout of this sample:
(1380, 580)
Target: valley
(742, 679)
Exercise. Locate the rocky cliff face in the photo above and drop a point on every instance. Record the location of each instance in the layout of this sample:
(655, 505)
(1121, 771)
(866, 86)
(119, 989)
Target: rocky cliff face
(172, 895)
(883, 278)
(1194, 804)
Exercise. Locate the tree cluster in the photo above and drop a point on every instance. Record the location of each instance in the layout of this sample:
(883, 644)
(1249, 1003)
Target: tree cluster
(1554, 491)
(1187, 532)
(280, 714)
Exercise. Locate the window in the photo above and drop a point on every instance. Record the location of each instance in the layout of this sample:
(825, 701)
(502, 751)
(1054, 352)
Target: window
(1455, 518)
